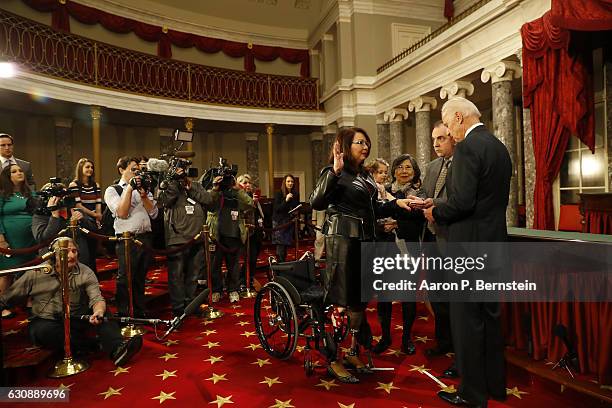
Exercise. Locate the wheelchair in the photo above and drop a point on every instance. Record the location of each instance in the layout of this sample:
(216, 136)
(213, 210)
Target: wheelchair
(291, 306)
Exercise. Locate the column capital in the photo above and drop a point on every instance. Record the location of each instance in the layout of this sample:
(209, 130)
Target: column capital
(95, 112)
(189, 122)
(316, 136)
(501, 71)
(457, 88)
(519, 55)
(380, 119)
(251, 136)
(270, 129)
(395, 115)
(345, 121)
(423, 103)
(330, 129)
(63, 122)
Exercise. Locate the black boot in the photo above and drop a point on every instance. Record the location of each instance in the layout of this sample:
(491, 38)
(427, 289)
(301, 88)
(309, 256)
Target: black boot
(382, 345)
(408, 346)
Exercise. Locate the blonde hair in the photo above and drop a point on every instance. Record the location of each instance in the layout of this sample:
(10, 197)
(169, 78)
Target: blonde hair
(243, 177)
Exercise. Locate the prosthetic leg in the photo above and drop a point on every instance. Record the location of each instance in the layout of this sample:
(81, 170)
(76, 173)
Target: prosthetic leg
(361, 335)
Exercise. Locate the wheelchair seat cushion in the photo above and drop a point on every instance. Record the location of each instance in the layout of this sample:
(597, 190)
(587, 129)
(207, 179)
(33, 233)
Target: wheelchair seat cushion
(314, 293)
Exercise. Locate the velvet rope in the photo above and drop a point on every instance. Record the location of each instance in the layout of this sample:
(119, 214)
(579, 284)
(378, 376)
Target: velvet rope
(166, 38)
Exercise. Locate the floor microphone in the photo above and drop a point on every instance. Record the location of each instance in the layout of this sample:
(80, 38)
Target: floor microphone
(190, 309)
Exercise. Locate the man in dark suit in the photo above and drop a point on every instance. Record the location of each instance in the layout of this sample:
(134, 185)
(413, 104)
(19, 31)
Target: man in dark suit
(7, 158)
(478, 188)
(434, 185)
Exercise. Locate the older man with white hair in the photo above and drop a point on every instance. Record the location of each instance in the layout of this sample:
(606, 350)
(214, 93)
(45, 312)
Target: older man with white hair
(478, 187)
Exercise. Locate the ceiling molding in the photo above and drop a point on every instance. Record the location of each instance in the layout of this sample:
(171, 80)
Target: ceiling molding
(432, 10)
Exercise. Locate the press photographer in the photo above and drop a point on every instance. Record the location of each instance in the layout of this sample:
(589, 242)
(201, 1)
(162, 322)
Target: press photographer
(55, 212)
(227, 227)
(184, 202)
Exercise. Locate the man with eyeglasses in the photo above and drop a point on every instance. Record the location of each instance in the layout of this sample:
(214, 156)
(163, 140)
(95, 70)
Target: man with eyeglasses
(7, 158)
(133, 208)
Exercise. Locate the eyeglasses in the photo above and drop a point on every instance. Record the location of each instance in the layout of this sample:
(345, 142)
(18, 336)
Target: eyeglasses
(361, 142)
(404, 167)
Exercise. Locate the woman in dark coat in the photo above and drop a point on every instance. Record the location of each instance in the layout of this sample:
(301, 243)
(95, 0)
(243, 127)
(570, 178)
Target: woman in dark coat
(347, 191)
(285, 200)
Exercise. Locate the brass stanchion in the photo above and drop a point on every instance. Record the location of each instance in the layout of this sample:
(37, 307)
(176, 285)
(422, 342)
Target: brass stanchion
(247, 293)
(68, 365)
(129, 330)
(208, 311)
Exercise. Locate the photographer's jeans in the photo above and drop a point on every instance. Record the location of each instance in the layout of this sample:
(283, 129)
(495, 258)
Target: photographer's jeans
(140, 261)
(183, 270)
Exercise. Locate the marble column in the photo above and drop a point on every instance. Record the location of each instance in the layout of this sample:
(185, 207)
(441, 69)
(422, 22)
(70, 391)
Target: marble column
(317, 153)
(384, 147)
(252, 156)
(329, 136)
(530, 172)
(396, 118)
(457, 88)
(501, 75)
(64, 163)
(422, 107)
(96, 115)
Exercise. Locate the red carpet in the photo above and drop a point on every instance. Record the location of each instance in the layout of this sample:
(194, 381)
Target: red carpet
(220, 363)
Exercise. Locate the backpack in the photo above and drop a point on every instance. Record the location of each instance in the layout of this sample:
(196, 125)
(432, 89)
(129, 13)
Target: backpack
(108, 219)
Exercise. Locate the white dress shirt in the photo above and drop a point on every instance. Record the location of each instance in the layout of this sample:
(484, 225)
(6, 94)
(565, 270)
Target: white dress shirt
(467, 132)
(138, 220)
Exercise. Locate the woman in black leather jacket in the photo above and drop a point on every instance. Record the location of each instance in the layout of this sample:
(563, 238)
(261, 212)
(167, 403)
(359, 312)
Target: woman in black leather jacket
(347, 191)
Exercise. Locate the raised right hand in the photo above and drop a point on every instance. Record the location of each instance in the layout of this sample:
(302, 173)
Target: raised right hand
(338, 158)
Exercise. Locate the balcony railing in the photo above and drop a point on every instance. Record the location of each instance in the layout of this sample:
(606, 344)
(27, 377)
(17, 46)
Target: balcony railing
(43, 50)
(431, 36)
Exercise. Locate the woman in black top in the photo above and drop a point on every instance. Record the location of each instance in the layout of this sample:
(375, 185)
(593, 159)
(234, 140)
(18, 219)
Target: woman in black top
(347, 191)
(284, 201)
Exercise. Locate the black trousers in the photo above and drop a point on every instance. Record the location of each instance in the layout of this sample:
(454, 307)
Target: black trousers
(50, 334)
(140, 261)
(183, 270)
(384, 310)
(254, 248)
(479, 349)
(230, 255)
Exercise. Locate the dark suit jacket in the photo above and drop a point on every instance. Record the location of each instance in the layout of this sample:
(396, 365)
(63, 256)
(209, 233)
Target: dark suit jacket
(27, 169)
(432, 171)
(478, 185)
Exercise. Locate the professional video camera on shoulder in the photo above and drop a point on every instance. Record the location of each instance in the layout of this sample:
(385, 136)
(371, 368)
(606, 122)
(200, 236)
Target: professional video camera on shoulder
(175, 165)
(55, 188)
(226, 171)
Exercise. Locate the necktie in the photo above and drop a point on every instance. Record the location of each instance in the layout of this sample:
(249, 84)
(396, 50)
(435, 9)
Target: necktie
(441, 178)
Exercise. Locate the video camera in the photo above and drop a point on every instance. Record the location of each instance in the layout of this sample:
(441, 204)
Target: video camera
(166, 168)
(147, 181)
(228, 172)
(55, 188)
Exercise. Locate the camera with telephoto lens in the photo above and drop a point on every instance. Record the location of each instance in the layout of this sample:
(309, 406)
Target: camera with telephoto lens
(226, 171)
(147, 182)
(55, 188)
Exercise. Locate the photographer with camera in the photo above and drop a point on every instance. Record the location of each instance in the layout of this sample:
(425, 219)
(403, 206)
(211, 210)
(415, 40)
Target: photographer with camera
(133, 207)
(254, 217)
(227, 229)
(184, 202)
(56, 214)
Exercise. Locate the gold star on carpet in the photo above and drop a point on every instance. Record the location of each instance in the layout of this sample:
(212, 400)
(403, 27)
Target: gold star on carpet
(341, 405)
(376, 338)
(516, 392)
(120, 370)
(327, 384)
(299, 348)
(216, 378)
(425, 318)
(370, 309)
(22, 322)
(238, 314)
(395, 352)
(207, 322)
(261, 362)
(242, 323)
(9, 332)
(248, 334)
(449, 355)
(171, 342)
(220, 401)
(209, 332)
(449, 388)
(270, 381)
(110, 392)
(386, 387)
(211, 344)
(420, 368)
(423, 339)
(163, 396)
(282, 404)
(169, 356)
(214, 359)
(64, 387)
(236, 307)
(167, 374)
(253, 346)
(345, 349)
(399, 327)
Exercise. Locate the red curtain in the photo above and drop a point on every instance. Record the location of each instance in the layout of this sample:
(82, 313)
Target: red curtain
(582, 15)
(449, 9)
(598, 222)
(557, 87)
(165, 40)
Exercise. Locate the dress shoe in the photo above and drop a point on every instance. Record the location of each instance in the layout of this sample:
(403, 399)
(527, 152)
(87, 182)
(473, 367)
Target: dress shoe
(435, 352)
(454, 398)
(408, 347)
(337, 370)
(450, 372)
(381, 346)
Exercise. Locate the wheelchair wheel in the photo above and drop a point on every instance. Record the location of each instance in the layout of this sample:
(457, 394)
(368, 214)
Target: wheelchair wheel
(276, 321)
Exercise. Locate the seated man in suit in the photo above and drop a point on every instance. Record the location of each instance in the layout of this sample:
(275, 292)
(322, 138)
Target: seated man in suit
(6, 157)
